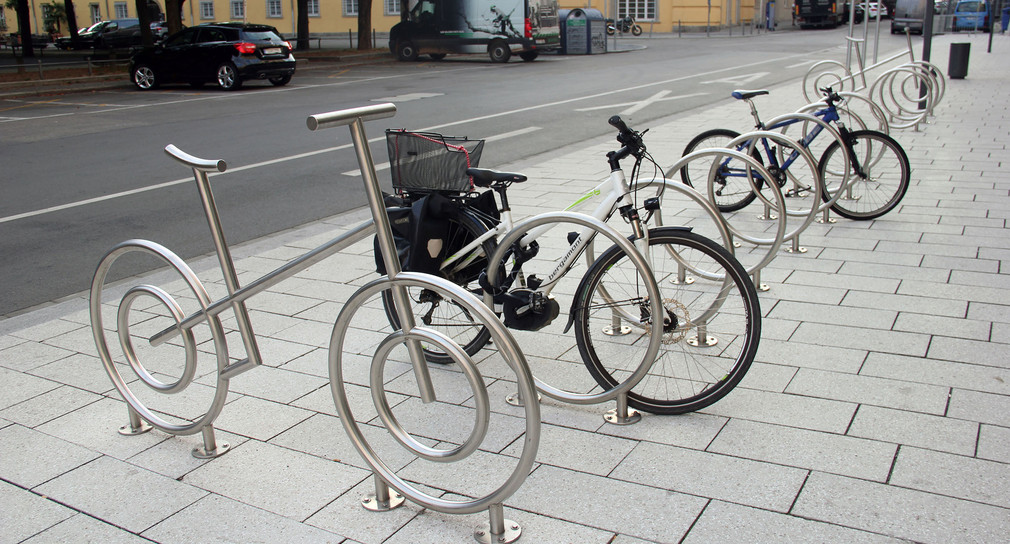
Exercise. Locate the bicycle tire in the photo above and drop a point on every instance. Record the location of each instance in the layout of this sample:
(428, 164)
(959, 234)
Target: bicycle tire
(734, 194)
(685, 377)
(433, 311)
(878, 188)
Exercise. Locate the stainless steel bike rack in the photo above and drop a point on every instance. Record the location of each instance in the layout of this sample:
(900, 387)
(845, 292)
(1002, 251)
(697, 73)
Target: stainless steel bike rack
(143, 418)
(622, 414)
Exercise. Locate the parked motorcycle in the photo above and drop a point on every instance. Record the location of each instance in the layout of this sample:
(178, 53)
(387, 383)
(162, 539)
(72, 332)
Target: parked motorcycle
(625, 25)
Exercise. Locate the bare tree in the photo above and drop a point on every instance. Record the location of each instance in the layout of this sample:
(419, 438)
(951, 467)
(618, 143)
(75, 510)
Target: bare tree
(25, 28)
(173, 15)
(303, 25)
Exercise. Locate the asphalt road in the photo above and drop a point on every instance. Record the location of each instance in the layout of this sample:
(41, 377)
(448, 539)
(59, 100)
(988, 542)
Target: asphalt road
(82, 172)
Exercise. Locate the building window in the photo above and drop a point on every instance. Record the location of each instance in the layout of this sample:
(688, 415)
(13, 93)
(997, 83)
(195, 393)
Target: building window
(313, 8)
(391, 7)
(207, 10)
(351, 8)
(96, 13)
(274, 8)
(238, 10)
(641, 10)
(3, 18)
(119, 8)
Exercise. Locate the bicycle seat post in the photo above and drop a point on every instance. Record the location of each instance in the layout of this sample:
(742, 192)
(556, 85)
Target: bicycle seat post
(384, 235)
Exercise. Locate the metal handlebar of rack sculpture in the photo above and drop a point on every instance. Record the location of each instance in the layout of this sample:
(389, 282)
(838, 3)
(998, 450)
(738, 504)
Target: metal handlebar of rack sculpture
(901, 97)
(181, 328)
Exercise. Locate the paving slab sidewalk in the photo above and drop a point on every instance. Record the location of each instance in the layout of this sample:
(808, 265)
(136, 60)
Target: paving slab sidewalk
(877, 409)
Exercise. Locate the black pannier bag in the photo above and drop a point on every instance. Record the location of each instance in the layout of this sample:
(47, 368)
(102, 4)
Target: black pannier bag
(419, 230)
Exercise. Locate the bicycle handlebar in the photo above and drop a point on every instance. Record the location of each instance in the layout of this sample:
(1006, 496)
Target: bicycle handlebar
(630, 139)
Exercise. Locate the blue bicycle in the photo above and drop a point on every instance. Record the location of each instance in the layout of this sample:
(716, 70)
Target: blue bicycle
(868, 168)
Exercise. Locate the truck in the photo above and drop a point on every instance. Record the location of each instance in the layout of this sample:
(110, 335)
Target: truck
(498, 27)
(816, 13)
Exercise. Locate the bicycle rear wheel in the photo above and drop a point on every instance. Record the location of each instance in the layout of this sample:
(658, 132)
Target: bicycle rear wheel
(445, 315)
(732, 190)
(878, 179)
(712, 331)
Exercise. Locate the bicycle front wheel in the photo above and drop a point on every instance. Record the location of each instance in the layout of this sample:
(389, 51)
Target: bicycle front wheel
(732, 191)
(712, 322)
(445, 315)
(878, 178)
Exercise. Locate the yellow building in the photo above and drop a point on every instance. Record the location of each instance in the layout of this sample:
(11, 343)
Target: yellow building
(339, 17)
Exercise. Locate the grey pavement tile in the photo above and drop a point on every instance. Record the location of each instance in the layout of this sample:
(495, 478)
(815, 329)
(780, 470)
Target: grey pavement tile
(279, 480)
(726, 523)
(969, 351)
(81, 371)
(47, 330)
(767, 377)
(908, 253)
(693, 430)
(1000, 333)
(842, 315)
(258, 418)
(435, 528)
(782, 409)
(981, 407)
(233, 521)
(277, 385)
(80, 340)
(994, 443)
(346, 516)
(95, 427)
(943, 326)
(174, 457)
(48, 406)
(899, 512)
(277, 353)
(32, 458)
(915, 429)
(314, 363)
(921, 304)
(8, 341)
(26, 513)
(578, 450)
(886, 341)
(963, 277)
(971, 293)
(880, 256)
(135, 499)
(814, 450)
(951, 475)
(29, 355)
(85, 530)
(281, 303)
(20, 387)
(844, 281)
(608, 504)
(823, 357)
(777, 329)
(324, 436)
(921, 272)
(870, 390)
(716, 476)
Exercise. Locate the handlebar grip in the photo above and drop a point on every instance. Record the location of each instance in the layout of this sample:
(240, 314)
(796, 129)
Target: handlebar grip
(619, 124)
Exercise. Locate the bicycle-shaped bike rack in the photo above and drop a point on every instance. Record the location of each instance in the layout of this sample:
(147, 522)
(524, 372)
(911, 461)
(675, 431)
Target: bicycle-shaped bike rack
(140, 306)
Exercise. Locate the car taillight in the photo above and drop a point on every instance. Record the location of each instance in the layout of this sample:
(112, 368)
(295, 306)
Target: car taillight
(246, 48)
(528, 29)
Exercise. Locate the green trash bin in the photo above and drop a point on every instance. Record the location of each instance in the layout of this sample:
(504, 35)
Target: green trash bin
(957, 66)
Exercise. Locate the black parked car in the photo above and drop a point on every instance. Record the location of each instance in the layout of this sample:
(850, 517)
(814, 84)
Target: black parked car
(85, 37)
(225, 53)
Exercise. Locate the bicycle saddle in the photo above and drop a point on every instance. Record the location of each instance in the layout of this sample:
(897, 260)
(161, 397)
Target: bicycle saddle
(485, 177)
(744, 95)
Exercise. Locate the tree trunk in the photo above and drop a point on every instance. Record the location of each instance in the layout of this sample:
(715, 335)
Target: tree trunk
(144, 16)
(25, 28)
(71, 20)
(303, 25)
(364, 24)
(173, 15)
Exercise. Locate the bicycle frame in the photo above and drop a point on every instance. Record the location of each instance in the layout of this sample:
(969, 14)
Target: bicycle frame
(614, 191)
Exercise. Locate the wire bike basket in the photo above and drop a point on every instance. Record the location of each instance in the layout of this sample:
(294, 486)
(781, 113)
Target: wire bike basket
(428, 161)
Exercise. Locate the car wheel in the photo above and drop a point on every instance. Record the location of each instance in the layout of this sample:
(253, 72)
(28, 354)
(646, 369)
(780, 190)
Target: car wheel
(406, 51)
(499, 51)
(144, 77)
(280, 81)
(227, 77)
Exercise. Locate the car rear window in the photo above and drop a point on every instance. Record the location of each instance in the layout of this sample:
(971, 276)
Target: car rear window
(261, 36)
(964, 7)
